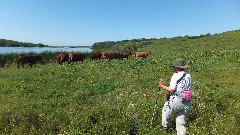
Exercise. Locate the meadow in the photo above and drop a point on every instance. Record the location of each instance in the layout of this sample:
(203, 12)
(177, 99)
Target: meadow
(118, 96)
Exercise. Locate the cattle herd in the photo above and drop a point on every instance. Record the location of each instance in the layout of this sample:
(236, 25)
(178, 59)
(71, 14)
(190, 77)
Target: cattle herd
(74, 57)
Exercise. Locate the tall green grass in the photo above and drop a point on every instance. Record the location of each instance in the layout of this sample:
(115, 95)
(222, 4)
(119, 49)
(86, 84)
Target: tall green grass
(118, 96)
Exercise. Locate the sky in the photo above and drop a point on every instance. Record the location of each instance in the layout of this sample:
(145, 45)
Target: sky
(84, 22)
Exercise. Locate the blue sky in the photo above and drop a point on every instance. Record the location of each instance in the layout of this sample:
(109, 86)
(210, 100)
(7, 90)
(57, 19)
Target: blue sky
(83, 22)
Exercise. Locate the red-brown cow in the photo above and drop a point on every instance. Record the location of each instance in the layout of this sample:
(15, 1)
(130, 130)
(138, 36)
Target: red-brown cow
(31, 59)
(109, 55)
(124, 55)
(58, 57)
(105, 55)
(62, 57)
(75, 56)
(96, 55)
(113, 55)
(142, 54)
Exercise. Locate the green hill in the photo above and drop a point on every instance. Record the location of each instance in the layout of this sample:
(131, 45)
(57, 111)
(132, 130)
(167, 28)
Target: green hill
(118, 96)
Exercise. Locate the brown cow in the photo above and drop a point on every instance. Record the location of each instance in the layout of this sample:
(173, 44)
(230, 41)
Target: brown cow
(96, 55)
(109, 55)
(113, 55)
(106, 55)
(124, 55)
(142, 54)
(62, 57)
(75, 56)
(31, 59)
(59, 57)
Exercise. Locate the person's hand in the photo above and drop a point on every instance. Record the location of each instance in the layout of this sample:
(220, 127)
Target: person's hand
(161, 84)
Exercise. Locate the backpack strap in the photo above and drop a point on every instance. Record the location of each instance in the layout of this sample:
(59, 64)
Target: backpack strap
(181, 78)
(178, 82)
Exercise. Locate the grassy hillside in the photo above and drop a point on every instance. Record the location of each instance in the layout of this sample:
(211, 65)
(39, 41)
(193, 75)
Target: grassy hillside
(118, 96)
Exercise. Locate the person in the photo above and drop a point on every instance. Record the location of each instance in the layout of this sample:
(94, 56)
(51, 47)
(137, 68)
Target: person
(179, 102)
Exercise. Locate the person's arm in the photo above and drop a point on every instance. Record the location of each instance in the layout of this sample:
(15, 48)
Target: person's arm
(161, 85)
(172, 86)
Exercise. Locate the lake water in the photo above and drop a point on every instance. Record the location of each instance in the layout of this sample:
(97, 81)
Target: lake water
(6, 50)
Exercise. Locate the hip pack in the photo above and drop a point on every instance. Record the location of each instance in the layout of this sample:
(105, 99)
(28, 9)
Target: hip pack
(183, 89)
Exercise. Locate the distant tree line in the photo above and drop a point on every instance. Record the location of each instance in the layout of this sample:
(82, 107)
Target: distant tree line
(134, 44)
(124, 45)
(11, 43)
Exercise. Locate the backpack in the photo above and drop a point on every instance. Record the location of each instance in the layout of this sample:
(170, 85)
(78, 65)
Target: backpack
(183, 90)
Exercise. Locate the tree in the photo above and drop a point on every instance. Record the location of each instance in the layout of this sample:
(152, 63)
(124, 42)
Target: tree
(116, 47)
(130, 47)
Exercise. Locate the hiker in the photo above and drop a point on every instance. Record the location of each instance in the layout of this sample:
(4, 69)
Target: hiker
(179, 97)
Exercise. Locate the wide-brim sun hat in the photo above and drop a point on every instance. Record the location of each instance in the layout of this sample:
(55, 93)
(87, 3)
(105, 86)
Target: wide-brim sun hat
(179, 63)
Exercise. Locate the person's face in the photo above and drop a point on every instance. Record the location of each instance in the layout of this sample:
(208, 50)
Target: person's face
(175, 69)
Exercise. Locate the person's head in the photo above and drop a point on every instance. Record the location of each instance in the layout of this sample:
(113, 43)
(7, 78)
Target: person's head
(179, 65)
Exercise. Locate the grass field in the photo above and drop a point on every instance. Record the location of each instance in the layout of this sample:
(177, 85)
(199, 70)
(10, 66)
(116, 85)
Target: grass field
(118, 96)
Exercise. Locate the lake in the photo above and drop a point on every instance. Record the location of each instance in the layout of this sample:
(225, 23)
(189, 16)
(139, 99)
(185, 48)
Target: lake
(6, 50)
